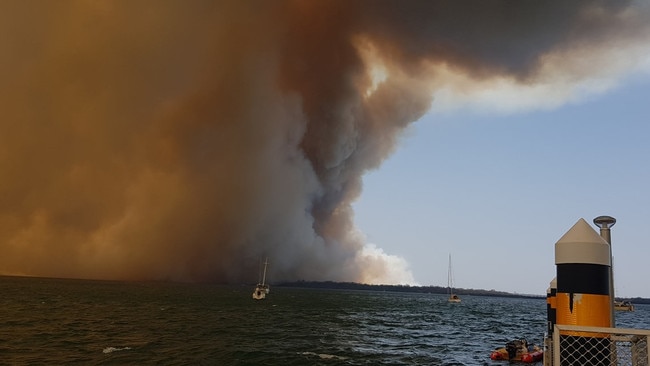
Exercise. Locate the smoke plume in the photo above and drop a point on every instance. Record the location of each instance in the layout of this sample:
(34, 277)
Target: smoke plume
(187, 140)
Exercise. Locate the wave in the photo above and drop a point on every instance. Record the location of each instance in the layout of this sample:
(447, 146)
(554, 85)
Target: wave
(115, 349)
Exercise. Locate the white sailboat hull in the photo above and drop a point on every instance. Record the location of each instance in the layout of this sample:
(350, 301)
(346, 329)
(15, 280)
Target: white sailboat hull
(260, 292)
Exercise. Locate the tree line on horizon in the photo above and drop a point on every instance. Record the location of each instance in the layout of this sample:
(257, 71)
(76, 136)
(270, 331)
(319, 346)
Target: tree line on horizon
(422, 289)
(401, 288)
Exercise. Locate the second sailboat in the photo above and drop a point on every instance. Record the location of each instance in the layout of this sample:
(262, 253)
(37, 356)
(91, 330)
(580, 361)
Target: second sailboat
(450, 284)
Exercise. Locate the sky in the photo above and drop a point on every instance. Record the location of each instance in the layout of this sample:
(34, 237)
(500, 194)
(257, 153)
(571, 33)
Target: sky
(497, 190)
(343, 140)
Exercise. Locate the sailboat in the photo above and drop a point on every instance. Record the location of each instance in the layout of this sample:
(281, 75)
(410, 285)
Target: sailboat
(623, 305)
(262, 289)
(450, 285)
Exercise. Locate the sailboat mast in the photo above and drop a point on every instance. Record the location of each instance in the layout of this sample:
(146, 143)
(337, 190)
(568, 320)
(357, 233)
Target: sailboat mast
(449, 281)
(450, 284)
(266, 262)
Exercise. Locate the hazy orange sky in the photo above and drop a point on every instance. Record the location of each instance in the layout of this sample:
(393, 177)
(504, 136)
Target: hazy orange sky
(186, 140)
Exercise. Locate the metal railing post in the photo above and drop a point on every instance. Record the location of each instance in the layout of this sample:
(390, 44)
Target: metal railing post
(556, 346)
(647, 351)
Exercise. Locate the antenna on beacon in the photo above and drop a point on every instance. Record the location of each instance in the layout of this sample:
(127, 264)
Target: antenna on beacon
(604, 223)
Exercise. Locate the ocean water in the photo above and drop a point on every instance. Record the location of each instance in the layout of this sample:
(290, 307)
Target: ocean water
(63, 322)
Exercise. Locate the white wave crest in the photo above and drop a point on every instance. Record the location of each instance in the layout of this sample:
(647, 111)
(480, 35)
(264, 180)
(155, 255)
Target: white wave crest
(114, 349)
(324, 356)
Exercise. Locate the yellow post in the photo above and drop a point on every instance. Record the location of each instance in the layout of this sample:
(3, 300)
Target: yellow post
(583, 264)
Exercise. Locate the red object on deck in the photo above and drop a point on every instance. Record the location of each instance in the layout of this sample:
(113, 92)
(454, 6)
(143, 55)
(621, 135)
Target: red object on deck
(501, 354)
(532, 357)
(496, 355)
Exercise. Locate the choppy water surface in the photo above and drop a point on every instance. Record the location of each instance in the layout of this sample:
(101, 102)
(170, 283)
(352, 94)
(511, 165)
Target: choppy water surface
(47, 321)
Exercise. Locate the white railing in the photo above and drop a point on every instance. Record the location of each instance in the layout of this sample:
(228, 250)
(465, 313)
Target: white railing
(578, 346)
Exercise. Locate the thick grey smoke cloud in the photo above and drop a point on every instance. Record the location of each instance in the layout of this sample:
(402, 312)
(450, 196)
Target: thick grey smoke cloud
(187, 140)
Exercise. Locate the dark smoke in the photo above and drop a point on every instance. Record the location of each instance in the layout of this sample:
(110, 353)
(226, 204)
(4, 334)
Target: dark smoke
(181, 140)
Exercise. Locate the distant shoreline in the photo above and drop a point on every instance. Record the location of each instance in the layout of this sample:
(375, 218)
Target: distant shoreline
(402, 288)
(422, 289)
